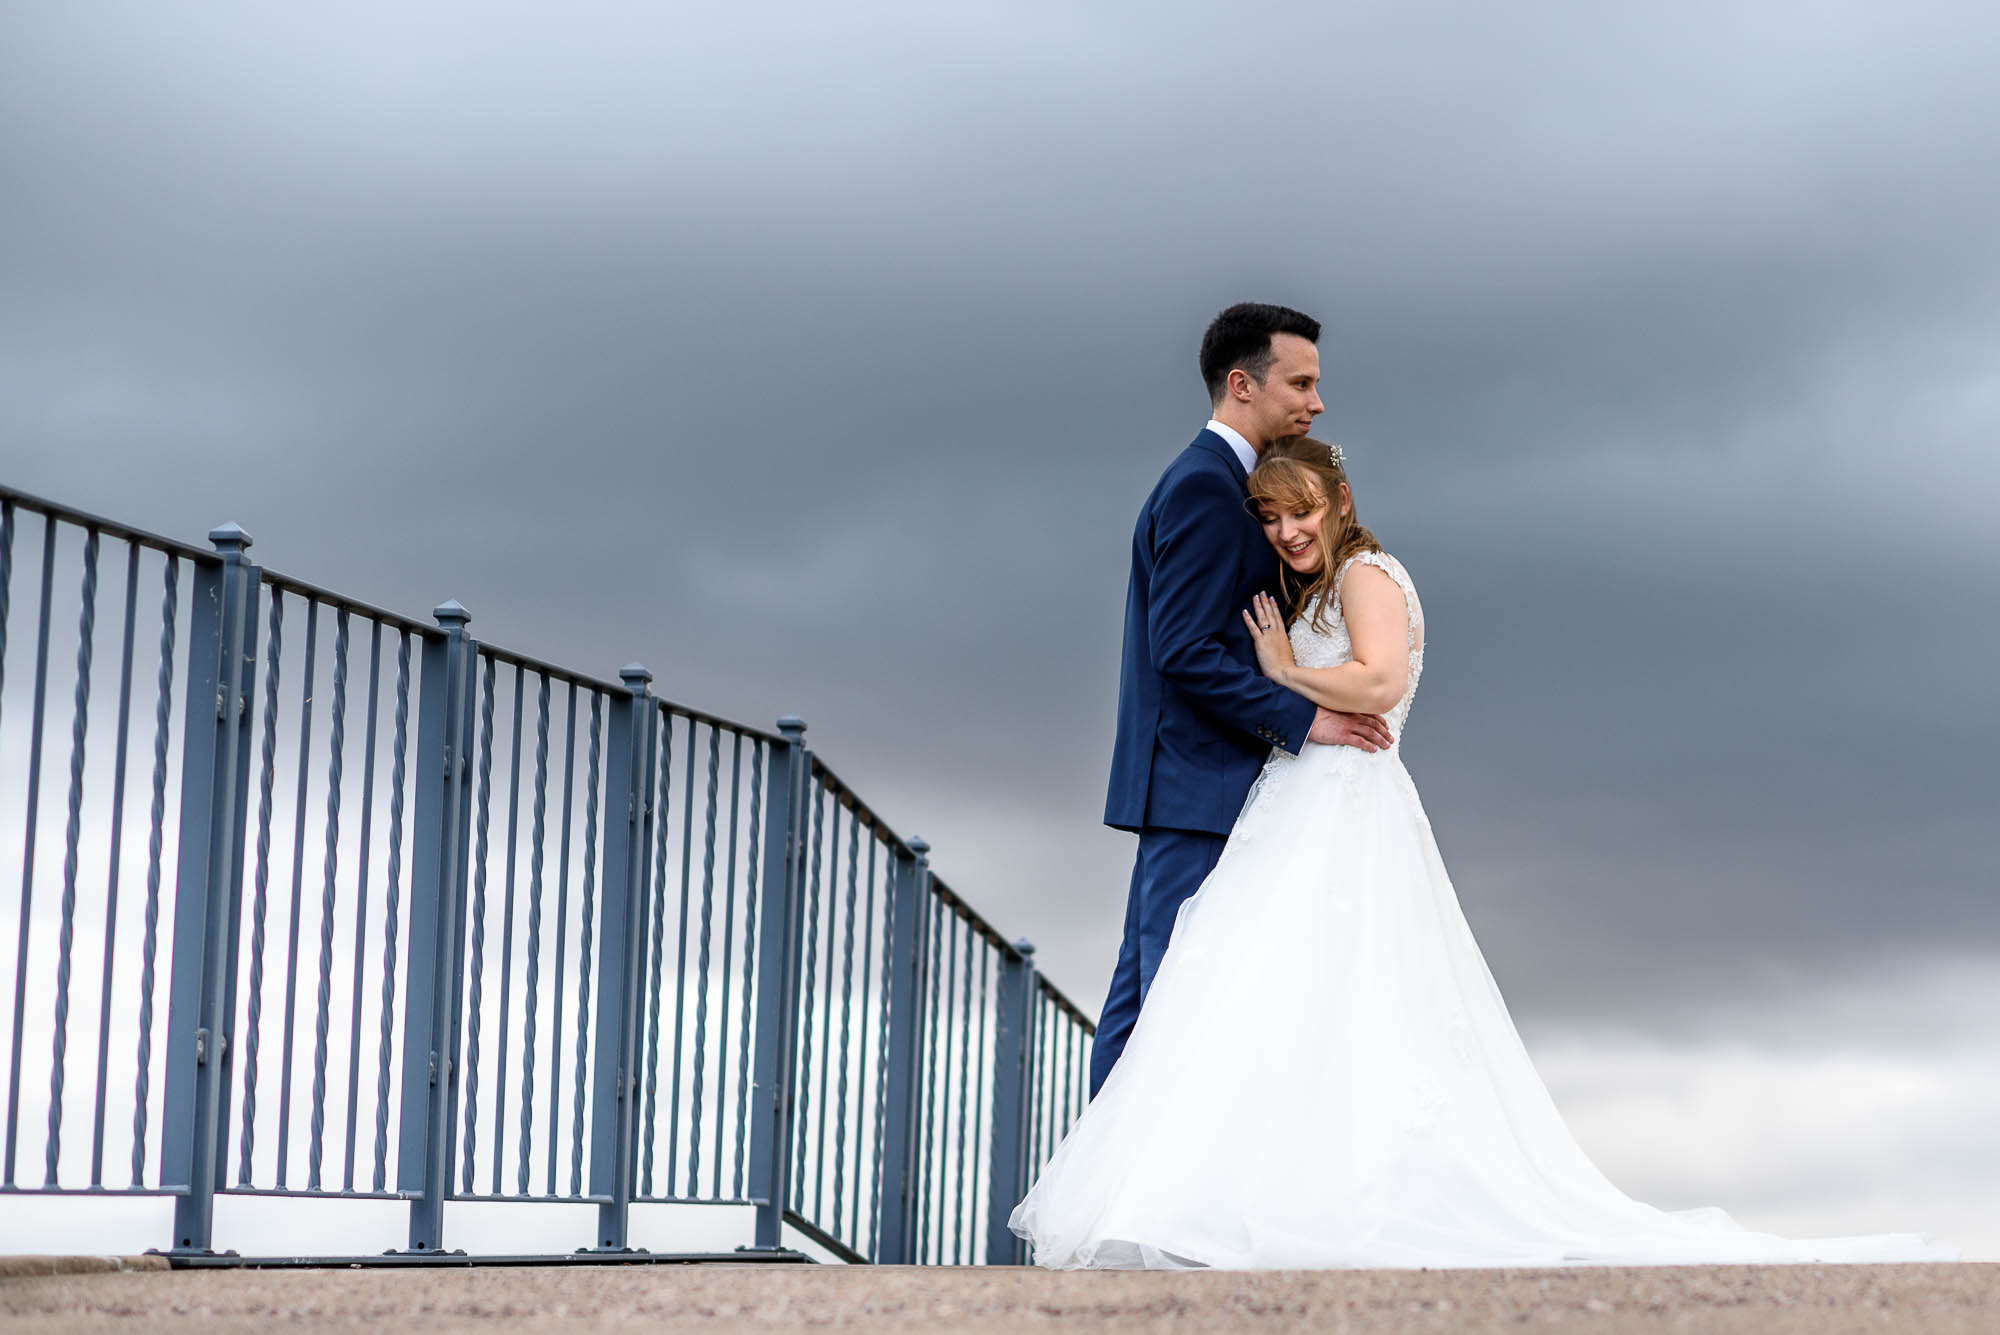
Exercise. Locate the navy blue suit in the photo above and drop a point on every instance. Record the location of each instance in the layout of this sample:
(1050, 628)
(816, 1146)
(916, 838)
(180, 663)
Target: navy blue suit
(1196, 719)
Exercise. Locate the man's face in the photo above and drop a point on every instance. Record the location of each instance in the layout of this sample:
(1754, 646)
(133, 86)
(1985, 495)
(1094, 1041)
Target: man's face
(1288, 400)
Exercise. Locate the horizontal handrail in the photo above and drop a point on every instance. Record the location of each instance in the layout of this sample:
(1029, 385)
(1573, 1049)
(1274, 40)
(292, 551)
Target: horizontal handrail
(108, 527)
(329, 598)
(339, 601)
(957, 903)
(852, 801)
(1068, 1007)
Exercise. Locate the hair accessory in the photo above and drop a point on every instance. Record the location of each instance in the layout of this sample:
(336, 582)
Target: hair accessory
(1338, 456)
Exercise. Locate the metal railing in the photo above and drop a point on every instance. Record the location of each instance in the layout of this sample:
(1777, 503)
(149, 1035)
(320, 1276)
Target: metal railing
(442, 922)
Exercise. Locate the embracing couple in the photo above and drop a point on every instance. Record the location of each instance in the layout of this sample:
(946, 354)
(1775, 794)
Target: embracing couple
(1303, 1060)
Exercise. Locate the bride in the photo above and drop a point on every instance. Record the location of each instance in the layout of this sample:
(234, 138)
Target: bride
(1324, 1073)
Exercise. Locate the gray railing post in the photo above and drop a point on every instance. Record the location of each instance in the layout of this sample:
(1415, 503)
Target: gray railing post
(215, 793)
(435, 969)
(630, 769)
(1013, 1041)
(896, 1241)
(772, 1096)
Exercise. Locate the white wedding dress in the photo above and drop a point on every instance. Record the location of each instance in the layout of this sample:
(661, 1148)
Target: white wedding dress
(1324, 1073)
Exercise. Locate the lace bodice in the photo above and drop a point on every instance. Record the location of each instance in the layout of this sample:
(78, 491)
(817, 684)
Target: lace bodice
(1313, 649)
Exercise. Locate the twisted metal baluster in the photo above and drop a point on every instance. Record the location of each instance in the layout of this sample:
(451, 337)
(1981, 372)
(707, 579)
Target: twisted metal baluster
(846, 1004)
(1031, 1041)
(964, 1079)
(507, 929)
(659, 943)
(361, 900)
(1057, 1038)
(298, 890)
(538, 824)
(888, 885)
(1058, 1061)
(805, 1028)
(1060, 1085)
(980, 1108)
(1037, 1032)
(861, 1136)
(79, 726)
(1045, 1099)
(728, 939)
(1059, 1081)
(583, 961)
(253, 1022)
(336, 745)
(1069, 1072)
(562, 928)
(826, 1020)
(162, 718)
(946, 1125)
(1058, 1067)
(701, 967)
(28, 852)
(947, 1022)
(112, 878)
(680, 969)
(752, 893)
(389, 916)
(929, 1030)
(484, 821)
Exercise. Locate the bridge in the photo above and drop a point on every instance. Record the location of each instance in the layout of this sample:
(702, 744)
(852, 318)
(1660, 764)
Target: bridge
(363, 908)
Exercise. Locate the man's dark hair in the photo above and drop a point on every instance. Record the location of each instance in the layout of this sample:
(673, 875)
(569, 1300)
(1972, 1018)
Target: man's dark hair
(1241, 337)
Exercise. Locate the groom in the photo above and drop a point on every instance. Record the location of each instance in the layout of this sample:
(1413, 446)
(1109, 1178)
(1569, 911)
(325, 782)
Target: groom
(1195, 717)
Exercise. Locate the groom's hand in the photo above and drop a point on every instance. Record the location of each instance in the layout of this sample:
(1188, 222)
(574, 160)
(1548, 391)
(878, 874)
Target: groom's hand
(1366, 731)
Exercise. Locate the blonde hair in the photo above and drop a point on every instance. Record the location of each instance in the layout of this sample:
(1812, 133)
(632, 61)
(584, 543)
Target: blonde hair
(1301, 473)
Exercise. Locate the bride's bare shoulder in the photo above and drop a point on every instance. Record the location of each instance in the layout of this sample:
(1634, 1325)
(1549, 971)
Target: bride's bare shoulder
(1368, 580)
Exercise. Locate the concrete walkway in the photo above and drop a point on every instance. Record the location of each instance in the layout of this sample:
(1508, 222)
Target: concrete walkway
(1781, 1300)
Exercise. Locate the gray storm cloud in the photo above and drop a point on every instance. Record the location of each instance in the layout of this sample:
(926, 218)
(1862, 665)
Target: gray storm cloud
(820, 358)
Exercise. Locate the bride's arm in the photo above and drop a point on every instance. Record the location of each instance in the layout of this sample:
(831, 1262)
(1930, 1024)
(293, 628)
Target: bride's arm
(1377, 622)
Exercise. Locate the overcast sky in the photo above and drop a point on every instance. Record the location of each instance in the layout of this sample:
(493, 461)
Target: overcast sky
(820, 356)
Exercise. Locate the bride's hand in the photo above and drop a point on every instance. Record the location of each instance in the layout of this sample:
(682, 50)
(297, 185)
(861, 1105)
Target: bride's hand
(1267, 634)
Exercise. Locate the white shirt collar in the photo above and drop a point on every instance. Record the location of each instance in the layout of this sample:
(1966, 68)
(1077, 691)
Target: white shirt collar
(1236, 442)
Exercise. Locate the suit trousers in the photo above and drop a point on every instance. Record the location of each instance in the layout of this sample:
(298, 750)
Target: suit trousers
(1170, 867)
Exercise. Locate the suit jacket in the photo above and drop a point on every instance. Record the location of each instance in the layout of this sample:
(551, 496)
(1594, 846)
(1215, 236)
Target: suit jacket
(1196, 719)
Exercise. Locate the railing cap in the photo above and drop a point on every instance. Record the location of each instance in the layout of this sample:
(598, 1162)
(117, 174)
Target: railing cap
(1023, 946)
(919, 846)
(451, 614)
(792, 726)
(636, 675)
(230, 537)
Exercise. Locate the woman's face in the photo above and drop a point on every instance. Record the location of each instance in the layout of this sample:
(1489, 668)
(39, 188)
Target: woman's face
(1294, 531)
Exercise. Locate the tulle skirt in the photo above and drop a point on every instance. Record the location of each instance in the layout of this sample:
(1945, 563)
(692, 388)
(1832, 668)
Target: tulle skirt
(1325, 1075)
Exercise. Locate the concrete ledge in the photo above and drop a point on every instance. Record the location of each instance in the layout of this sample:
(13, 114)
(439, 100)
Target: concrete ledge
(735, 1299)
(20, 1267)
